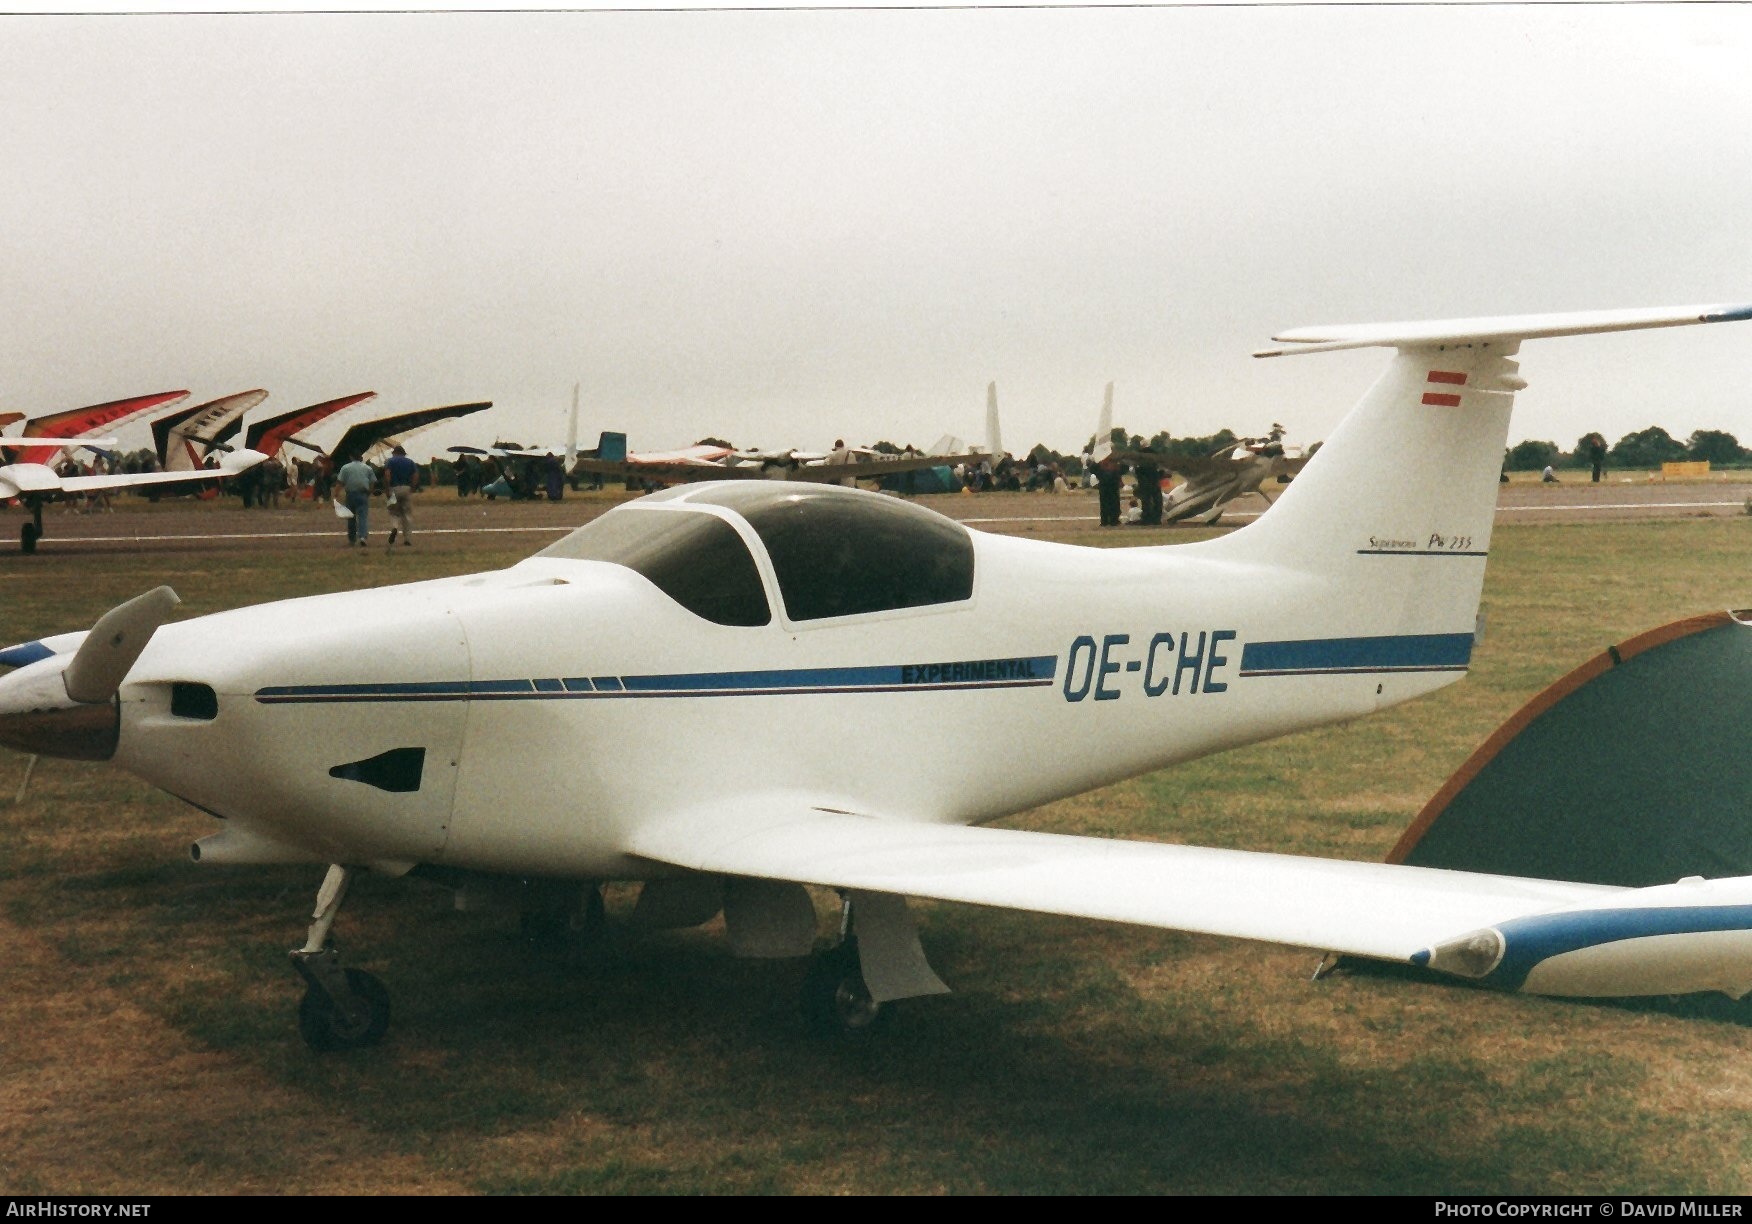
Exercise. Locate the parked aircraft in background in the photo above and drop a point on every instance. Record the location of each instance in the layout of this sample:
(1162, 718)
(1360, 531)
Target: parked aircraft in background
(1211, 483)
(182, 439)
(841, 465)
(380, 433)
(1231, 472)
(271, 435)
(885, 681)
(34, 485)
(726, 463)
(76, 422)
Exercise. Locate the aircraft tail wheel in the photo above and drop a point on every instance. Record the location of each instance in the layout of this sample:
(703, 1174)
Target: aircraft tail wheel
(836, 1002)
(325, 1026)
(28, 535)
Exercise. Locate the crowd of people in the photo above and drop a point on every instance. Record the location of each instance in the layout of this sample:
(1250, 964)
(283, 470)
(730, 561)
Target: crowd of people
(518, 477)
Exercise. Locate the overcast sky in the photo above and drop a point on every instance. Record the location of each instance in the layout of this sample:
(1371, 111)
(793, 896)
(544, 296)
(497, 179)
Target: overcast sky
(784, 227)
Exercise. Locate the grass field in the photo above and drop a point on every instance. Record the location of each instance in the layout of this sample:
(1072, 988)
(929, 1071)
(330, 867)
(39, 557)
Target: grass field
(147, 1041)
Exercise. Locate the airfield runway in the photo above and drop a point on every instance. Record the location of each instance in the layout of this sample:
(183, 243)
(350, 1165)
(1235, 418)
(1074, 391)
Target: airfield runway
(191, 525)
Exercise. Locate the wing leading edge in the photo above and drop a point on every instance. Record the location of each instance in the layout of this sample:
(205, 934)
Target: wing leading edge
(1376, 910)
(1536, 936)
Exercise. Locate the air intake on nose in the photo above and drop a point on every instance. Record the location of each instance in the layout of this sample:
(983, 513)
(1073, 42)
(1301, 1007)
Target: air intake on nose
(397, 770)
(188, 700)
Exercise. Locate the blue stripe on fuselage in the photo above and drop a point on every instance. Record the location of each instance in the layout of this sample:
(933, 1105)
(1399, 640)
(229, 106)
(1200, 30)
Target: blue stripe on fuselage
(1339, 656)
(897, 678)
(24, 653)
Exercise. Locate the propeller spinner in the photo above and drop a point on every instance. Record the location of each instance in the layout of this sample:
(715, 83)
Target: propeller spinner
(64, 705)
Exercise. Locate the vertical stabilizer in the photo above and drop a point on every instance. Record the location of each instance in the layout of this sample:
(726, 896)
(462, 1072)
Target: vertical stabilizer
(572, 430)
(1104, 428)
(1393, 514)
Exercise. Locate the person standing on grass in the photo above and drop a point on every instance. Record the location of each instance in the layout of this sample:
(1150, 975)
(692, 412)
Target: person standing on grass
(402, 475)
(1107, 477)
(356, 481)
(1596, 454)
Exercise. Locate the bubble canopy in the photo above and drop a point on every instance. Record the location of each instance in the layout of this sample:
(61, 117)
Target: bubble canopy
(833, 551)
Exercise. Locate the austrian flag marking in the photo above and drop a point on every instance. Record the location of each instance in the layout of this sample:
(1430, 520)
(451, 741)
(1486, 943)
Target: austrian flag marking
(1444, 399)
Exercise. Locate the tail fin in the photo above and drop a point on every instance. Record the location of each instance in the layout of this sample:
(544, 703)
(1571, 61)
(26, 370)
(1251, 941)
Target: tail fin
(572, 430)
(1104, 428)
(994, 437)
(611, 446)
(1396, 507)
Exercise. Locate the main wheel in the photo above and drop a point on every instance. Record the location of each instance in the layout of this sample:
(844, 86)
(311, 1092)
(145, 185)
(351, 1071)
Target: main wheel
(836, 1002)
(324, 1027)
(28, 535)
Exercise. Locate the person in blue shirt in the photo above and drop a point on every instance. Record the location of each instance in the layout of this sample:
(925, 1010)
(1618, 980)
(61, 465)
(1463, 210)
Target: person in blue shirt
(402, 475)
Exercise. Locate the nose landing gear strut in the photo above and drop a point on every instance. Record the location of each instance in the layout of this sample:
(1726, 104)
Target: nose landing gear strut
(342, 1009)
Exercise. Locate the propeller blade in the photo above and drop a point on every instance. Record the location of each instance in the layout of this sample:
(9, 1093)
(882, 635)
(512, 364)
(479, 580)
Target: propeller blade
(103, 659)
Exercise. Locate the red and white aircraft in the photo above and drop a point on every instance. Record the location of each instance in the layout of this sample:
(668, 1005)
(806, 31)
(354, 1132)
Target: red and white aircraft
(29, 477)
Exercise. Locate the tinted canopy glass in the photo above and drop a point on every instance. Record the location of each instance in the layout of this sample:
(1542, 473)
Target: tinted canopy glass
(838, 552)
(695, 558)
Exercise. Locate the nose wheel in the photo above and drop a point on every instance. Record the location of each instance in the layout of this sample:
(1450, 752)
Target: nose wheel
(342, 1009)
(325, 1024)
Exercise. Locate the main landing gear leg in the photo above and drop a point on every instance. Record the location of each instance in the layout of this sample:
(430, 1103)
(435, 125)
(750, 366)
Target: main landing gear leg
(554, 919)
(342, 1009)
(836, 1000)
(877, 961)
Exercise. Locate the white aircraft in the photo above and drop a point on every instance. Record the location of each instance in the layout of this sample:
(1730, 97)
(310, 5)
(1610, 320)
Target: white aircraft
(842, 465)
(887, 682)
(1231, 473)
(36, 484)
(692, 463)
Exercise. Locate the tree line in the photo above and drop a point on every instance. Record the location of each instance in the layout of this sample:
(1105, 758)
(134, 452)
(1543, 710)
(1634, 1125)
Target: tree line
(1644, 450)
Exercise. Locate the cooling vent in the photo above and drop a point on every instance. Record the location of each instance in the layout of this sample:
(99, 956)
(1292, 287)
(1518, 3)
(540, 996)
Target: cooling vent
(193, 701)
(397, 770)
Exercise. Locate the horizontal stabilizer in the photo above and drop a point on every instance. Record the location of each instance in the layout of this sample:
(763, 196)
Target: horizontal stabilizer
(1444, 332)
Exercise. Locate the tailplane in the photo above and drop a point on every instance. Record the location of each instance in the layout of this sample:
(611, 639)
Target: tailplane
(1394, 511)
(1413, 469)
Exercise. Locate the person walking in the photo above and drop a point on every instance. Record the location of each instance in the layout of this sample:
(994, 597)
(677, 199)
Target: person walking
(402, 475)
(356, 481)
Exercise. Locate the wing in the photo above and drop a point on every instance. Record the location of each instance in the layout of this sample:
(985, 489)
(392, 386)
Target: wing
(1376, 910)
(676, 470)
(97, 484)
(40, 481)
(874, 466)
